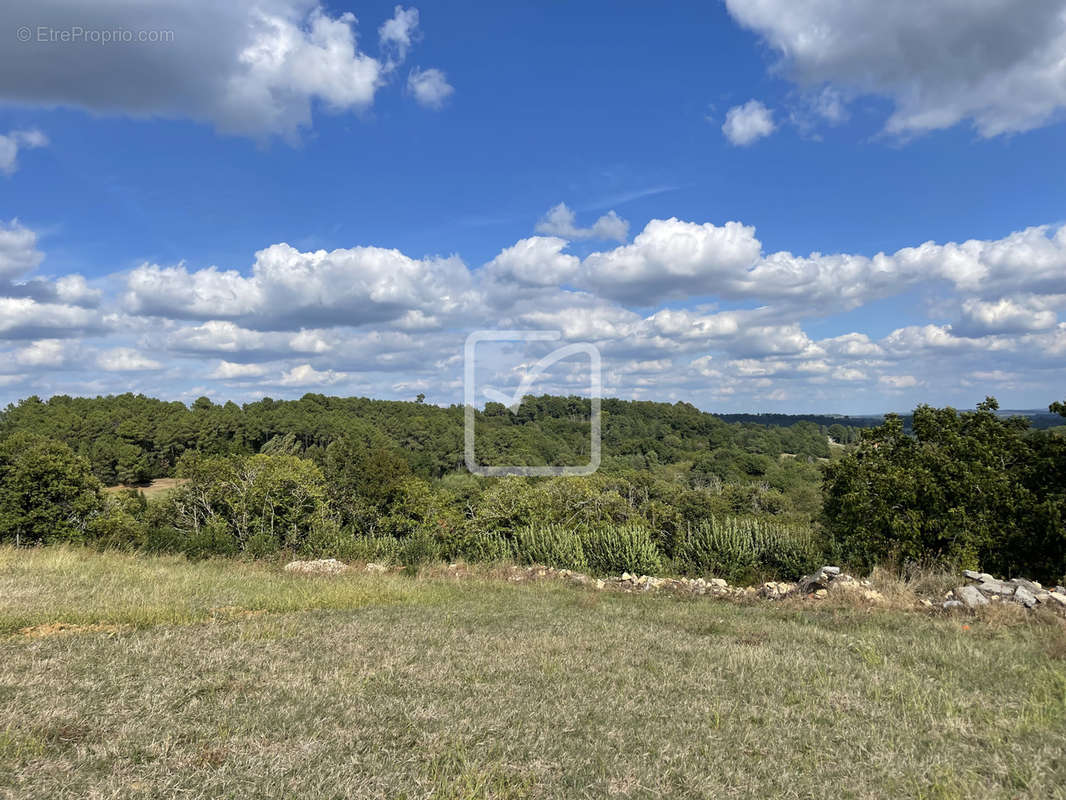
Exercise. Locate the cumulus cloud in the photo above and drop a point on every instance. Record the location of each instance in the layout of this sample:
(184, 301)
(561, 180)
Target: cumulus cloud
(429, 87)
(125, 359)
(993, 62)
(536, 261)
(51, 353)
(562, 221)
(12, 142)
(290, 288)
(398, 34)
(980, 318)
(18, 250)
(672, 258)
(373, 319)
(748, 123)
(249, 67)
(229, 370)
(306, 375)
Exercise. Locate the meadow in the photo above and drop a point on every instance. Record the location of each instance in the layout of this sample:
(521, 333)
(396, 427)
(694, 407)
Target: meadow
(128, 675)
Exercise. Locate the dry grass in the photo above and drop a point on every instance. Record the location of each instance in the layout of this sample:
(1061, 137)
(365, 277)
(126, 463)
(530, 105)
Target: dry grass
(385, 686)
(155, 488)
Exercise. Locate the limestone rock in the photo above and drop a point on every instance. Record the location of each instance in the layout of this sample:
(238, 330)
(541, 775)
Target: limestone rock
(970, 597)
(321, 566)
(1057, 598)
(1024, 597)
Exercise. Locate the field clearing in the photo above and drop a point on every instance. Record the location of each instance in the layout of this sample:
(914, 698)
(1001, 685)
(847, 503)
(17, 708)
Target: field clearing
(226, 679)
(155, 488)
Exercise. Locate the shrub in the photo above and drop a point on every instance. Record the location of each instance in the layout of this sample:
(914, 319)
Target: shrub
(487, 547)
(550, 545)
(418, 549)
(627, 548)
(742, 549)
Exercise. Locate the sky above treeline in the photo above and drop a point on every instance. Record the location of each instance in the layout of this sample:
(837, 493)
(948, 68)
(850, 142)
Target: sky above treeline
(750, 205)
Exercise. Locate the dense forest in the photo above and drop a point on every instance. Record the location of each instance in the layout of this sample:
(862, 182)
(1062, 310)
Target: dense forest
(678, 490)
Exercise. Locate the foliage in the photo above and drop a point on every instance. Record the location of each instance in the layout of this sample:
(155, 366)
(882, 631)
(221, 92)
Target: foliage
(551, 545)
(970, 489)
(626, 548)
(743, 549)
(47, 493)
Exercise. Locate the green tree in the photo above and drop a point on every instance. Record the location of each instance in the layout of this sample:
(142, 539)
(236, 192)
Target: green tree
(47, 492)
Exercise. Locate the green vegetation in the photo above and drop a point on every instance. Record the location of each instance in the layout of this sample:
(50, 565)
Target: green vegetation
(383, 686)
(680, 491)
(971, 489)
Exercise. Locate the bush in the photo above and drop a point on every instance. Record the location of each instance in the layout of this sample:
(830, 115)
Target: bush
(418, 549)
(743, 549)
(628, 548)
(550, 545)
(486, 547)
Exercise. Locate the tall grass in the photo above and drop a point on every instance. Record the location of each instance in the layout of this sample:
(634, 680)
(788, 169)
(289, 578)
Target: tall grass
(745, 549)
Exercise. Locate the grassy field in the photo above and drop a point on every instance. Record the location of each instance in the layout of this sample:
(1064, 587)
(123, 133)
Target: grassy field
(219, 679)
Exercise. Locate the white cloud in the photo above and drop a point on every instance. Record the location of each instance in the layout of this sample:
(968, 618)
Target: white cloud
(125, 359)
(748, 123)
(228, 370)
(898, 381)
(25, 318)
(536, 261)
(429, 87)
(18, 250)
(980, 318)
(306, 375)
(249, 67)
(561, 221)
(45, 353)
(671, 258)
(399, 33)
(12, 142)
(995, 62)
(290, 289)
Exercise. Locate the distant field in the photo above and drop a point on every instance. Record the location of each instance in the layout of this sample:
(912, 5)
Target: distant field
(156, 677)
(154, 488)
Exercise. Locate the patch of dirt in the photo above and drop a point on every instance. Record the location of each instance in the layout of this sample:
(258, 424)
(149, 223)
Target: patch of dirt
(56, 628)
(152, 488)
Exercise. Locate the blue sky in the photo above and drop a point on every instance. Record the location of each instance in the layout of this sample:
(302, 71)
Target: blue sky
(748, 161)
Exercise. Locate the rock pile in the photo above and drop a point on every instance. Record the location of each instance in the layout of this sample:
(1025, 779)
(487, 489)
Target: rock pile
(984, 589)
(321, 566)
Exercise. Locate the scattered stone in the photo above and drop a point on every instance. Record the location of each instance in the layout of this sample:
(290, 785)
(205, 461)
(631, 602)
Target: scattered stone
(600, 584)
(992, 586)
(818, 580)
(372, 567)
(321, 566)
(821, 594)
(949, 604)
(972, 574)
(1057, 597)
(718, 583)
(970, 597)
(1024, 597)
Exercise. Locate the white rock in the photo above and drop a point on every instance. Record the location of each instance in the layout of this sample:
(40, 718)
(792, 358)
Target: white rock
(1024, 597)
(1057, 597)
(970, 597)
(321, 566)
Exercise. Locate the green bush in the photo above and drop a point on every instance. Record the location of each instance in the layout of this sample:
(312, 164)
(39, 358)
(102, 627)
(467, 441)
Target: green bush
(550, 545)
(743, 549)
(418, 549)
(627, 548)
(484, 547)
